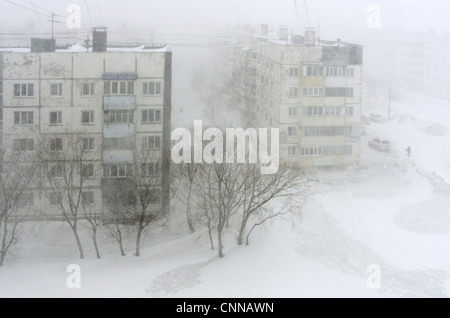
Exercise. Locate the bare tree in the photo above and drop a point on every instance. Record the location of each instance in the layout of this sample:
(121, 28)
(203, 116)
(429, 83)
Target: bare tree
(221, 190)
(68, 165)
(188, 172)
(117, 228)
(262, 193)
(136, 198)
(93, 219)
(16, 180)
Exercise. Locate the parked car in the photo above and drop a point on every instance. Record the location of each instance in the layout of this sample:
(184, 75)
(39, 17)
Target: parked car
(377, 119)
(380, 144)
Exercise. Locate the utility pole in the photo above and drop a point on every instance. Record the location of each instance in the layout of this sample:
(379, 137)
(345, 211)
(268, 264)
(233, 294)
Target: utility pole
(53, 35)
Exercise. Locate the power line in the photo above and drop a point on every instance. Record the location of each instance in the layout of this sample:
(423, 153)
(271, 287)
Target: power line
(16, 4)
(40, 19)
(297, 15)
(89, 13)
(101, 14)
(307, 13)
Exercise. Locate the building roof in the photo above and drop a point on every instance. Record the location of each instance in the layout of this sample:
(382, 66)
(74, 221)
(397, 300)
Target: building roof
(77, 48)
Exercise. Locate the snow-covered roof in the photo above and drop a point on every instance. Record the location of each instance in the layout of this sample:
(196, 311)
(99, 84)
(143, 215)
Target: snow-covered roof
(77, 48)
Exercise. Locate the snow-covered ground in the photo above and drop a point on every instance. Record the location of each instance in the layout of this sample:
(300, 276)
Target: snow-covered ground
(391, 211)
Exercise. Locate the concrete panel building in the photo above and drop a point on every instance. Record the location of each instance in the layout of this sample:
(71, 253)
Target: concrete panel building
(310, 89)
(118, 99)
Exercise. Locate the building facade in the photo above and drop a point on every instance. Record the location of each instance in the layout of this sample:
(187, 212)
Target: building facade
(311, 90)
(118, 101)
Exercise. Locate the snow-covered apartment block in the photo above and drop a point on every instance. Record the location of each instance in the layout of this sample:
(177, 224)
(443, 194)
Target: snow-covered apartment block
(308, 88)
(118, 99)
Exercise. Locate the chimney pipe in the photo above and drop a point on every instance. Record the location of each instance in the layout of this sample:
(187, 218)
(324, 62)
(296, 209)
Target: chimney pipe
(99, 40)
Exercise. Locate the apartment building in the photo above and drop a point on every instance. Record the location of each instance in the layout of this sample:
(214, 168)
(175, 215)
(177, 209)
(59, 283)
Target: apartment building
(310, 89)
(117, 99)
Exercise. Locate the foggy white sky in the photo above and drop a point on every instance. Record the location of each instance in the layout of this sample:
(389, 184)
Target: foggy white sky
(338, 18)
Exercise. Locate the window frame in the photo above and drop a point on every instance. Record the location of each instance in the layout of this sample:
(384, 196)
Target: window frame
(91, 89)
(146, 142)
(157, 86)
(58, 118)
(146, 116)
(115, 88)
(91, 115)
(59, 90)
(27, 87)
(19, 116)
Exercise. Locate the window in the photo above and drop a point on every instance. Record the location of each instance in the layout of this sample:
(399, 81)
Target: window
(293, 92)
(118, 144)
(337, 91)
(56, 89)
(293, 111)
(1, 87)
(87, 117)
(150, 169)
(292, 131)
(313, 91)
(118, 87)
(332, 151)
(314, 71)
(55, 118)
(292, 151)
(349, 111)
(118, 171)
(151, 116)
(87, 171)
(350, 72)
(88, 143)
(55, 171)
(293, 72)
(24, 200)
(23, 145)
(56, 144)
(151, 142)
(335, 71)
(87, 198)
(328, 131)
(119, 117)
(23, 90)
(323, 111)
(311, 151)
(349, 92)
(23, 118)
(87, 89)
(151, 88)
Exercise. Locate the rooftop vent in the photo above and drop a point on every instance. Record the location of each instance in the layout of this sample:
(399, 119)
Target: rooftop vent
(42, 45)
(297, 39)
(100, 40)
(284, 32)
(310, 37)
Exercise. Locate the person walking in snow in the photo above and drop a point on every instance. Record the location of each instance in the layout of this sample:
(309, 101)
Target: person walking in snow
(408, 151)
